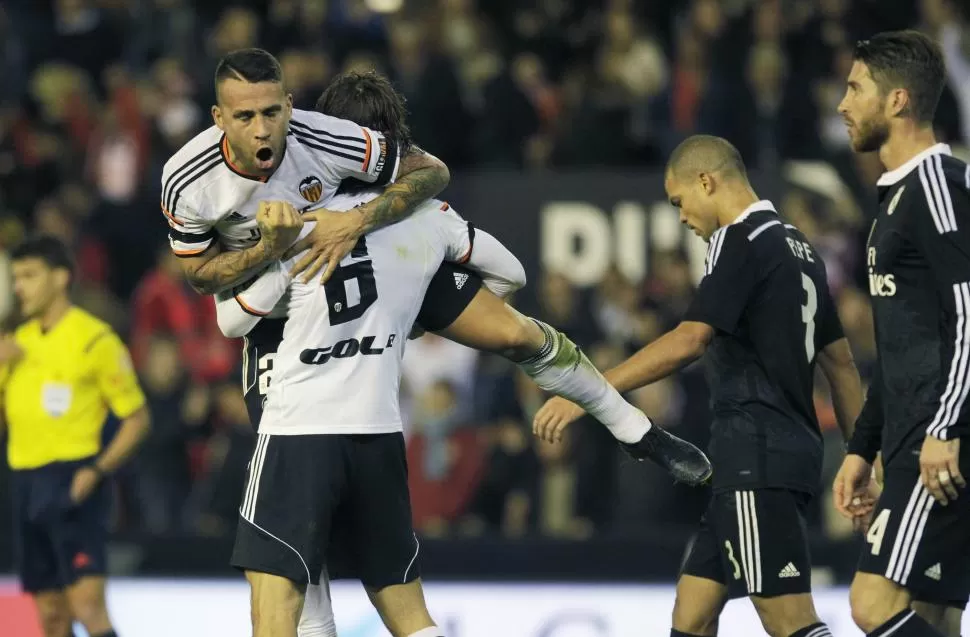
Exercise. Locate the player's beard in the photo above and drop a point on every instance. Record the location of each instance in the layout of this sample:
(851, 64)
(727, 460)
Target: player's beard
(871, 134)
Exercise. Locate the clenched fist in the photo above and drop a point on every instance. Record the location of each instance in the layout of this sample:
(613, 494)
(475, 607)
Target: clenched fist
(279, 225)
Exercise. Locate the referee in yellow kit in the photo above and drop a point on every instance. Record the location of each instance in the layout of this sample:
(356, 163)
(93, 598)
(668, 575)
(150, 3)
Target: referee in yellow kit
(62, 370)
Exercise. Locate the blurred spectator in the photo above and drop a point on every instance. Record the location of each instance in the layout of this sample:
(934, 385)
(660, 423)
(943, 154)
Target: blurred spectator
(165, 305)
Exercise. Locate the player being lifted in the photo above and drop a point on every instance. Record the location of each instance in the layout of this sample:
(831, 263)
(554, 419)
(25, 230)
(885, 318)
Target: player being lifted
(918, 257)
(764, 317)
(487, 323)
(261, 148)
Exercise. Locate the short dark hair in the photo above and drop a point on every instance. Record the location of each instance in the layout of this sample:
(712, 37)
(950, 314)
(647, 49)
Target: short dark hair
(907, 60)
(249, 65)
(370, 100)
(51, 250)
(706, 153)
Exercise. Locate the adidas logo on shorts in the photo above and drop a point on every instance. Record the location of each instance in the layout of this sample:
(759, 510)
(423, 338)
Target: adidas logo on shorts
(934, 572)
(235, 217)
(789, 571)
(460, 279)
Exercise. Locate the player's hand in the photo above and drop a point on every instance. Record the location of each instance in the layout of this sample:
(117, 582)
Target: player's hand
(279, 225)
(863, 506)
(9, 350)
(84, 483)
(851, 482)
(552, 418)
(333, 237)
(939, 465)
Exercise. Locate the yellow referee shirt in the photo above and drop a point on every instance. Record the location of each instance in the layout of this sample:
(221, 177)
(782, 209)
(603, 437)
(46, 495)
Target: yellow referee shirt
(56, 398)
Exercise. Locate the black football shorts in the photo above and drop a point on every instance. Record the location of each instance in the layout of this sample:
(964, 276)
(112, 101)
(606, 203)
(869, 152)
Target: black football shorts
(754, 542)
(334, 500)
(451, 290)
(920, 545)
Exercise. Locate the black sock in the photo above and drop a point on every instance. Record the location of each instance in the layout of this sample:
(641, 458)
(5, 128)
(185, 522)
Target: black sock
(815, 630)
(906, 624)
(676, 633)
(110, 633)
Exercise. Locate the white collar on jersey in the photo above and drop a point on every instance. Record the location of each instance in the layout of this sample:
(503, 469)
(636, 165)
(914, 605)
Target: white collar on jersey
(758, 206)
(895, 176)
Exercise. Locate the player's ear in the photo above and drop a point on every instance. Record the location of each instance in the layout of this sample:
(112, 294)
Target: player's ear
(897, 102)
(217, 117)
(289, 103)
(706, 181)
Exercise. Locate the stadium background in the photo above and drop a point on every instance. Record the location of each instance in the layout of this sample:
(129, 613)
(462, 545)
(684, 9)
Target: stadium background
(555, 117)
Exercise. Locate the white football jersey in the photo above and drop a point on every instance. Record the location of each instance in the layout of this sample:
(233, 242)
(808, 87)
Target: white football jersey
(338, 369)
(206, 198)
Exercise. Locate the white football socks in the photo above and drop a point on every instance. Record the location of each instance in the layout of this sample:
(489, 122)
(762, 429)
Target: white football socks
(562, 368)
(317, 620)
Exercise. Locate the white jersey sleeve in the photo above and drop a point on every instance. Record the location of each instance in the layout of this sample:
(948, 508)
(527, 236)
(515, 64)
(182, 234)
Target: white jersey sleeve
(191, 232)
(238, 310)
(502, 273)
(353, 151)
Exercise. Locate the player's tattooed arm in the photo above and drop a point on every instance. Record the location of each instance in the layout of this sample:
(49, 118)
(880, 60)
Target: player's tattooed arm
(420, 177)
(215, 270)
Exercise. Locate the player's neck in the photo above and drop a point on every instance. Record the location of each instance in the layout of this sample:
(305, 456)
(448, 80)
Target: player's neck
(904, 145)
(53, 314)
(735, 201)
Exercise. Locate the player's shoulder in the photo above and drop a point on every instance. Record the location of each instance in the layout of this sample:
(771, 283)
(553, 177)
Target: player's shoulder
(199, 151)
(312, 123)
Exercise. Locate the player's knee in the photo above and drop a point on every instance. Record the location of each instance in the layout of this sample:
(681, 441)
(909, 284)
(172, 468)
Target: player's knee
(695, 613)
(54, 615)
(874, 600)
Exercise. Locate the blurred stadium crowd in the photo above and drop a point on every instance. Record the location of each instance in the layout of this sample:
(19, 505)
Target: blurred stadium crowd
(97, 94)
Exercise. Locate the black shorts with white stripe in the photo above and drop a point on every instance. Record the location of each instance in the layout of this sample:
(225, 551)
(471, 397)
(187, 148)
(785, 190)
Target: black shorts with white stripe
(920, 545)
(336, 500)
(754, 543)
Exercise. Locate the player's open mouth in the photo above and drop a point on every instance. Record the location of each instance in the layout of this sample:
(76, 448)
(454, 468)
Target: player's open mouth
(264, 158)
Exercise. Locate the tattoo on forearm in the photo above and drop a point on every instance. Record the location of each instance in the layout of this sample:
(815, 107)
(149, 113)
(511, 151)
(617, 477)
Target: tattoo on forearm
(227, 269)
(400, 198)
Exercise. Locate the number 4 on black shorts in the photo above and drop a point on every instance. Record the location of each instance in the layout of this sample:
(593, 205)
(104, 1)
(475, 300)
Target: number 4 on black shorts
(917, 543)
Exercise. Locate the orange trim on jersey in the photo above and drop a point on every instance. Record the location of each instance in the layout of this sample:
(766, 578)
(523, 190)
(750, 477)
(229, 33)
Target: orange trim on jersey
(236, 169)
(171, 217)
(444, 206)
(468, 255)
(367, 151)
(190, 253)
(248, 309)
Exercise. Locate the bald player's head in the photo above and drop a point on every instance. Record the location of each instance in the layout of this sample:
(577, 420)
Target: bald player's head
(705, 154)
(700, 169)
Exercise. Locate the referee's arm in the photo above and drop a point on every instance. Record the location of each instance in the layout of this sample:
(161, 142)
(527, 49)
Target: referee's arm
(120, 390)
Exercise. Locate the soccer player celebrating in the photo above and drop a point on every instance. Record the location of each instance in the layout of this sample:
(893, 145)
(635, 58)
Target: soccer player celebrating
(918, 256)
(63, 370)
(764, 317)
(461, 311)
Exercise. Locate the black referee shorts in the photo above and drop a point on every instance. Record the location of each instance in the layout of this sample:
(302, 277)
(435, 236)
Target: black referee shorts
(56, 542)
(333, 500)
